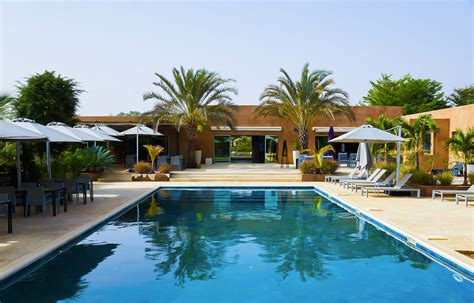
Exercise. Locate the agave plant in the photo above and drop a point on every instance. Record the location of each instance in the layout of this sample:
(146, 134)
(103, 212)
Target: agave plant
(153, 151)
(97, 159)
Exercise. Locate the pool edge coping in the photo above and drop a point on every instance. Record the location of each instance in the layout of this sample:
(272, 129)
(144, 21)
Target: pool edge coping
(71, 236)
(435, 254)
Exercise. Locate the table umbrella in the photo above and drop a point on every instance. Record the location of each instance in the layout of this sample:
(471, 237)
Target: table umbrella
(140, 130)
(73, 132)
(12, 132)
(51, 136)
(101, 136)
(370, 134)
(105, 129)
(330, 137)
(364, 157)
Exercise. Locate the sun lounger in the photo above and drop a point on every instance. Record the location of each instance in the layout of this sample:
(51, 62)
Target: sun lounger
(386, 182)
(372, 176)
(365, 178)
(351, 174)
(398, 187)
(451, 192)
(350, 183)
(465, 198)
(360, 175)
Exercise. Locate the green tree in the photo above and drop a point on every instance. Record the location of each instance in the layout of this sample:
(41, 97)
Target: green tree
(304, 101)
(384, 123)
(414, 95)
(417, 133)
(5, 102)
(132, 113)
(190, 100)
(462, 145)
(462, 96)
(48, 97)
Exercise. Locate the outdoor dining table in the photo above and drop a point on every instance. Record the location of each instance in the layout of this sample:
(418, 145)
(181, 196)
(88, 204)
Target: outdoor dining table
(54, 192)
(84, 183)
(4, 200)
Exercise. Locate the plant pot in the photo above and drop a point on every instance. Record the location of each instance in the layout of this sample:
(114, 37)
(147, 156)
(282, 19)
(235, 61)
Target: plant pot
(470, 169)
(313, 177)
(296, 154)
(150, 177)
(93, 175)
(197, 157)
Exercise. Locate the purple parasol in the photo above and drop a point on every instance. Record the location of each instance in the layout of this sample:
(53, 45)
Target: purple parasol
(330, 137)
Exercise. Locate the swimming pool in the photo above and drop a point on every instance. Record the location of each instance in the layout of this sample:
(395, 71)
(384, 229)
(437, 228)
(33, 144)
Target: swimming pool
(239, 245)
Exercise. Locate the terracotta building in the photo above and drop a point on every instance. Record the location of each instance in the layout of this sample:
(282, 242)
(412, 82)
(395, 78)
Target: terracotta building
(448, 120)
(268, 135)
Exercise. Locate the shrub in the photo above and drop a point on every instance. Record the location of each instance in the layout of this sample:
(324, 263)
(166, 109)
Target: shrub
(143, 168)
(165, 168)
(308, 168)
(388, 166)
(445, 178)
(423, 178)
(471, 178)
(329, 166)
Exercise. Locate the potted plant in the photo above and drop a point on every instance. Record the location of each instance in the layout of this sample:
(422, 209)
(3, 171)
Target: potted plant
(153, 152)
(142, 170)
(316, 169)
(96, 160)
(296, 151)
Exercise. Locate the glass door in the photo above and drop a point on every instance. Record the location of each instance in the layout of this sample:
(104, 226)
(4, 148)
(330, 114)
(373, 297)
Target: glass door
(271, 149)
(222, 149)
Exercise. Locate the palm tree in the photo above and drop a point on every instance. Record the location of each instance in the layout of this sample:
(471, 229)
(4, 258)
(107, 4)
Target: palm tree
(5, 101)
(190, 100)
(384, 123)
(462, 145)
(418, 133)
(303, 101)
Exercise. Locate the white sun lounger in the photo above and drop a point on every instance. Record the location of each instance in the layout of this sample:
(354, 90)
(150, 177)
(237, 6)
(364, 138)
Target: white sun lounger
(465, 198)
(451, 192)
(375, 176)
(385, 182)
(359, 176)
(351, 174)
(399, 187)
(370, 177)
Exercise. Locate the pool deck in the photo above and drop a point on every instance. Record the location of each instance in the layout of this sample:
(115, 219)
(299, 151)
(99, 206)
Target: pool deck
(445, 226)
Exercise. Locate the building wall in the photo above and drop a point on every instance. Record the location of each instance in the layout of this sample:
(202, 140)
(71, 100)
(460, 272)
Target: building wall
(245, 116)
(448, 120)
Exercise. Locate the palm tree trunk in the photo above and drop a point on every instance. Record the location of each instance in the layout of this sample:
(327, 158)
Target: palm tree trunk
(303, 137)
(192, 136)
(465, 173)
(417, 161)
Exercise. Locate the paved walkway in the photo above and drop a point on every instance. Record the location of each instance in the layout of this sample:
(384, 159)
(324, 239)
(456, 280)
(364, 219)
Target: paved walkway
(35, 237)
(446, 226)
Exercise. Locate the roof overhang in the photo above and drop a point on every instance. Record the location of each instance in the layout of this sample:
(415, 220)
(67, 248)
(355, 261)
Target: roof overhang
(248, 128)
(347, 129)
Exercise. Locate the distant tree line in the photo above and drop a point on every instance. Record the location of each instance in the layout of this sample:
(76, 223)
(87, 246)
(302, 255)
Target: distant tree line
(415, 95)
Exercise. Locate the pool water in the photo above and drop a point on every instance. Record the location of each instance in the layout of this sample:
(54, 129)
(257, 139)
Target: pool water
(239, 245)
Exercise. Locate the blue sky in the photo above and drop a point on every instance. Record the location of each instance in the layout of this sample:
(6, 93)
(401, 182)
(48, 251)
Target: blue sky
(114, 48)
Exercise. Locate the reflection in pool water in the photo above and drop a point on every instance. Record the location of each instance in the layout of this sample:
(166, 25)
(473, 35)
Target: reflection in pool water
(239, 246)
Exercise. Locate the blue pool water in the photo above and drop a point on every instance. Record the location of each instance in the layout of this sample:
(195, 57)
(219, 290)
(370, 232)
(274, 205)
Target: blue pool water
(242, 245)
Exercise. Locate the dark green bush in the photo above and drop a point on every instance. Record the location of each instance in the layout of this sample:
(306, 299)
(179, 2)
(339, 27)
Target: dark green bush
(471, 178)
